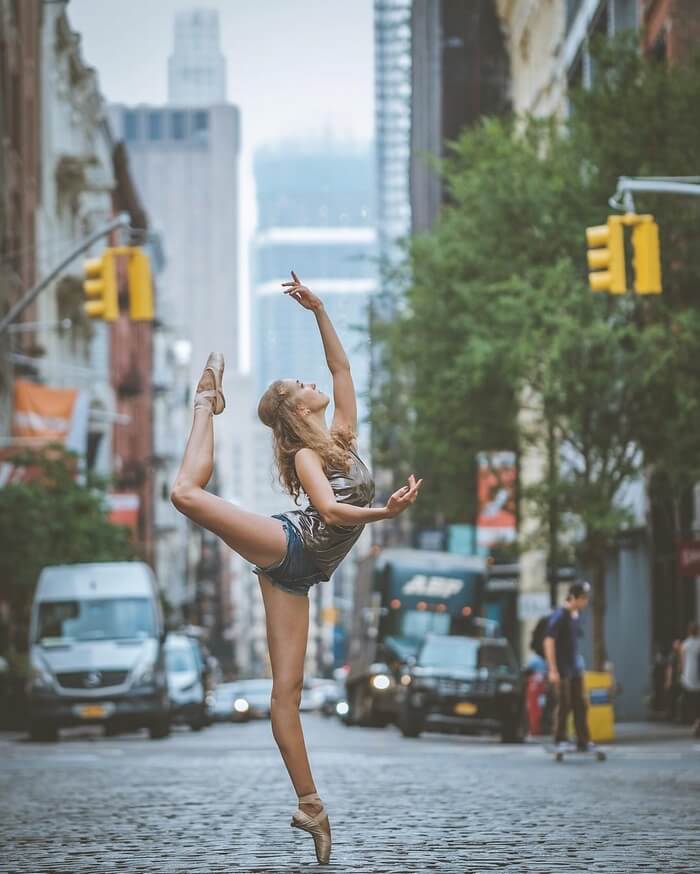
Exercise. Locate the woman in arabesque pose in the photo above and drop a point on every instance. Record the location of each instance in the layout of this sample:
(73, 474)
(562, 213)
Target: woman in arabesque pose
(295, 550)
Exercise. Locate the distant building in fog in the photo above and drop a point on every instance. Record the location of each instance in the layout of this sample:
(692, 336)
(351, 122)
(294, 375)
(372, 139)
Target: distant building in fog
(315, 216)
(197, 68)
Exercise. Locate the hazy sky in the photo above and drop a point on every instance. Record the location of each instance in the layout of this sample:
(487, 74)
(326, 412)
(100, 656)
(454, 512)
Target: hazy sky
(296, 69)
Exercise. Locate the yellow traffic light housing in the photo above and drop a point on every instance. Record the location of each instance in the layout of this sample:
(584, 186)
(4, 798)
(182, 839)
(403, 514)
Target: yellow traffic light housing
(647, 256)
(100, 287)
(140, 286)
(606, 256)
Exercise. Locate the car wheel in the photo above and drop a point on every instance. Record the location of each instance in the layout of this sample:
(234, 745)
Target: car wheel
(410, 722)
(159, 728)
(43, 732)
(513, 730)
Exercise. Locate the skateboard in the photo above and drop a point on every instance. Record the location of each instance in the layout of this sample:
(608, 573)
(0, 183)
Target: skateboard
(598, 754)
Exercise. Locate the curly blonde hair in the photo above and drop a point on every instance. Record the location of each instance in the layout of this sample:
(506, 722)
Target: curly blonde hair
(292, 432)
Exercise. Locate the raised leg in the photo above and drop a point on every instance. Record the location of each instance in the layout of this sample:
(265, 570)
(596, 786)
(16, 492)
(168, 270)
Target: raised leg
(287, 623)
(259, 539)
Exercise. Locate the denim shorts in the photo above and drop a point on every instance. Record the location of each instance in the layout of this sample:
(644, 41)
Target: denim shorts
(297, 571)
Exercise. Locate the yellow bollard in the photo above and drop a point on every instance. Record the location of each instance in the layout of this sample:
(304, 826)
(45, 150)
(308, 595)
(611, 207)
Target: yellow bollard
(599, 688)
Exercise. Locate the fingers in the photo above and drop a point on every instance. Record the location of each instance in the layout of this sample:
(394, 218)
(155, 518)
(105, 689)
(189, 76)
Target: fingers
(296, 278)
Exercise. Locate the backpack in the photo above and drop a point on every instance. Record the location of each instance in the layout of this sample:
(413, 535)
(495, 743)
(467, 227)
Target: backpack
(538, 635)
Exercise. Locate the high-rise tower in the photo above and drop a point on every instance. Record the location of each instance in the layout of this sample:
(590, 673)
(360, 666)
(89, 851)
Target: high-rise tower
(197, 68)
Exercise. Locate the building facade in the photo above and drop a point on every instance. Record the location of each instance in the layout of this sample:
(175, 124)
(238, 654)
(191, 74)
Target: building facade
(459, 73)
(20, 66)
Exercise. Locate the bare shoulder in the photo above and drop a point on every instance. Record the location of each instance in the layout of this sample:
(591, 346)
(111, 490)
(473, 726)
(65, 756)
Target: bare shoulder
(306, 456)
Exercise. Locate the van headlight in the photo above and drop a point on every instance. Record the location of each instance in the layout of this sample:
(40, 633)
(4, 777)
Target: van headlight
(148, 674)
(40, 678)
(240, 705)
(381, 681)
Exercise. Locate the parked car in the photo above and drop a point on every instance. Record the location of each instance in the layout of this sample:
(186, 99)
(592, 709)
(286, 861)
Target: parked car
(220, 702)
(252, 699)
(185, 681)
(463, 684)
(96, 650)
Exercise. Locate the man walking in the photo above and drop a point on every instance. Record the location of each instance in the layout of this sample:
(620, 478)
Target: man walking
(565, 666)
(690, 675)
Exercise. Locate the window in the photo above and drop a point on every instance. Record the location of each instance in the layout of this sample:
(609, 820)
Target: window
(131, 126)
(155, 126)
(96, 619)
(177, 125)
(200, 123)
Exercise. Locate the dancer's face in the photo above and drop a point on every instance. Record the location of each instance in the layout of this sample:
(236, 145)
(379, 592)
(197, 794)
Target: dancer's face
(307, 396)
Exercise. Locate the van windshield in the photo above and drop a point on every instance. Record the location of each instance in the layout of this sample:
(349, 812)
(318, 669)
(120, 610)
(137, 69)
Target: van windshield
(96, 619)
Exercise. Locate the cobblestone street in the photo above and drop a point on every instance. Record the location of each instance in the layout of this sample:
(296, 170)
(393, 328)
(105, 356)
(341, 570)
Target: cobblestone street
(220, 801)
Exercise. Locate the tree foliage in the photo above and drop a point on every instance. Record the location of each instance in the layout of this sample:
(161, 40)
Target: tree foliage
(499, 314)
(52, 518)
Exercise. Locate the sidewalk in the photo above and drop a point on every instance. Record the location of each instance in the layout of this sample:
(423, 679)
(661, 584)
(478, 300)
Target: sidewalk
(651, 732)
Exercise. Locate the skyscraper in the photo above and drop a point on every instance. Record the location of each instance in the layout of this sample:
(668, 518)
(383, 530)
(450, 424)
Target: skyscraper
(392, 64)
(197, 68)
(184, 159)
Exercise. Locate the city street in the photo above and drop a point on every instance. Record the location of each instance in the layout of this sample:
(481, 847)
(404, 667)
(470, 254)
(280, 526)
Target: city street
(220, 801)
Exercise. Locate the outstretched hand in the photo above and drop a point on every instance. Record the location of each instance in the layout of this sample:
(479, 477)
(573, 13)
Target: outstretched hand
(302, 294)
(403, 498)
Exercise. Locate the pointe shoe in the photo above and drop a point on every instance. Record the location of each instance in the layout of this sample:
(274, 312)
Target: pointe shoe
(312, 825)
(215, 365)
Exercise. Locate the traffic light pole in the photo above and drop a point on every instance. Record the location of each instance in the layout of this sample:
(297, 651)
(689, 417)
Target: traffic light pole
(121, 221)
(627, 186)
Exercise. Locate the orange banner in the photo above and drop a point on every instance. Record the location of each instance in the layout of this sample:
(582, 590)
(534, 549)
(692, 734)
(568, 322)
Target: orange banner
(42, 412)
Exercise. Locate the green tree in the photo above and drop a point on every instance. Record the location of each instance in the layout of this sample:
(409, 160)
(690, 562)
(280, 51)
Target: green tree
(52, 518)
(499, 313)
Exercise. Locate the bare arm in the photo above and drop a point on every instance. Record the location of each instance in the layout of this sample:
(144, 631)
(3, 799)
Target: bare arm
(315, 483)
(336, 358)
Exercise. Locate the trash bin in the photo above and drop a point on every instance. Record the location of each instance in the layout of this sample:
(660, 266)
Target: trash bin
(600, 687)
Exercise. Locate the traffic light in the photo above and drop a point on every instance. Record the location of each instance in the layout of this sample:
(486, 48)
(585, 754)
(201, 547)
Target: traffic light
(647, 256)
(606, 256)
(140, 286)
(100, 287)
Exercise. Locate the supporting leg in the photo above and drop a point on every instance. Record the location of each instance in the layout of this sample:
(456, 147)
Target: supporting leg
(287, 622)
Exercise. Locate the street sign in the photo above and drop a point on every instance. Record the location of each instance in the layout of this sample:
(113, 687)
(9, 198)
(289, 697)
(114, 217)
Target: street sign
(689, 558)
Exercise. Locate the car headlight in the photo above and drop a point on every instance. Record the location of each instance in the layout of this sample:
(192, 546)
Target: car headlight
(505, 687)
(240, 705)
(406, 679)
(342, 708)
(381, 681)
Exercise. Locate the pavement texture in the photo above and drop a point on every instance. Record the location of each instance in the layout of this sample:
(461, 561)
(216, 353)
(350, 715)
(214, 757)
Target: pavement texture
(221, 801)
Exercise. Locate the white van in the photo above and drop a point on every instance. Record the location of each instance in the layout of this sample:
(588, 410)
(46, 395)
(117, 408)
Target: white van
(96, 650)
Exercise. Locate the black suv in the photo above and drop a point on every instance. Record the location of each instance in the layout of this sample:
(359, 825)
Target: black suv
(463, 684)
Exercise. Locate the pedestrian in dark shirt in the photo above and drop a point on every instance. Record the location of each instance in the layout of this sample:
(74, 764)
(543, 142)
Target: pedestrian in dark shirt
(565, 665)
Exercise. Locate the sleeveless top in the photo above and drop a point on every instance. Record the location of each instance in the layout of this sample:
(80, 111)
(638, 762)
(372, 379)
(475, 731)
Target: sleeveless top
(329, 544)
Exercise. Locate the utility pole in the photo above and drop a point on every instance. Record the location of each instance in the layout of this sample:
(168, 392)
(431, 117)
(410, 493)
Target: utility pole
(121, 221)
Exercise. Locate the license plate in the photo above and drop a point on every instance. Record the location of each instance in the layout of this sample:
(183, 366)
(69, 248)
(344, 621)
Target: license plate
(465, 708)
(93, 711)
